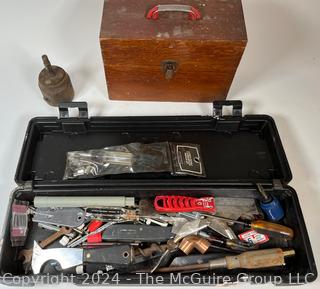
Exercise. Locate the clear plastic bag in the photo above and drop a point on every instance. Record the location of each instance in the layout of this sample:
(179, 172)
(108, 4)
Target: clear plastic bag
(135, 158)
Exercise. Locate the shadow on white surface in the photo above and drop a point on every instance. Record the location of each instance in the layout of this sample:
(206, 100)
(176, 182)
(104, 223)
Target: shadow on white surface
(274, 35)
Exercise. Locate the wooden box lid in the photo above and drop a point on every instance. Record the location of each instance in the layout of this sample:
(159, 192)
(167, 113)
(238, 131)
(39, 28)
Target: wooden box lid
(220, 20)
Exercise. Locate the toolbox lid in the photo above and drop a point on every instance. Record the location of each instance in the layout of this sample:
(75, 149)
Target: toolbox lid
(234, 148)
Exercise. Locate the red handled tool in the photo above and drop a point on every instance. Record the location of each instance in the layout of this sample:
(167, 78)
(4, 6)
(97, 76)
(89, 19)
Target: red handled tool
(177, 204)
(96, 238)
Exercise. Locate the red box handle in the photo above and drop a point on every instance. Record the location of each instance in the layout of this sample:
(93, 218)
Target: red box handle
(194, 13)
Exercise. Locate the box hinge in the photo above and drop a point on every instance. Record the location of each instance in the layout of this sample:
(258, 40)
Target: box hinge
(73, 124)
(219, 104)
(277, 184)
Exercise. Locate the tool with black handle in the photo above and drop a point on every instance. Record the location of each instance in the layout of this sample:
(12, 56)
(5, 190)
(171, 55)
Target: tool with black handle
(117, 256)
(137, 233)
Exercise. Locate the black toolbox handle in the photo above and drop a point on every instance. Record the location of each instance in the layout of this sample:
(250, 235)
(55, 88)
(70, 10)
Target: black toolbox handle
(219, 104)
(81, 106)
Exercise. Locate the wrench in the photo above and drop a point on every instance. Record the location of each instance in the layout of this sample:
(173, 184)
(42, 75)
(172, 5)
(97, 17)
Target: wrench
(55, 236)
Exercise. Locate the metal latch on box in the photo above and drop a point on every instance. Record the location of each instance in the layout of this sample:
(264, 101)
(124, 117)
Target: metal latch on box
(219, 104)
(73, 124)
(169, 68)
(227, 123)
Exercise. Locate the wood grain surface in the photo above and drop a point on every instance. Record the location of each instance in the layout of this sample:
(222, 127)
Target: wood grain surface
(207, 51)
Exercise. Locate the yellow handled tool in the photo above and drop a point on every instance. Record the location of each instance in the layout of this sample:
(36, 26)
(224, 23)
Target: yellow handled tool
(271, 229)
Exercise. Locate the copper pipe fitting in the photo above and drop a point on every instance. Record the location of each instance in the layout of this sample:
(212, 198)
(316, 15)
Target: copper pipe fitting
(194, 242)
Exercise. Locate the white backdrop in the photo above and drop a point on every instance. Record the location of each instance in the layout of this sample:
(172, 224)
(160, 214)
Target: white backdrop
(278, 75)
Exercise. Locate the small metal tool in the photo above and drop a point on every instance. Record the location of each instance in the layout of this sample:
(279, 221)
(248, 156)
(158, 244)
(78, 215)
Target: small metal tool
(230, 245)
(150, 221)
(115, 256)
(112, 214)
(187, 228)
(66, 257)
(172, 246)
(221, 228)
(78, 241)
(55, 236)
(138, 233)
(67, 217)
(49, 227)
(235, 208)
(195, 259)
(215, 224)
(152, 249)
(270, 205)
(26, 254)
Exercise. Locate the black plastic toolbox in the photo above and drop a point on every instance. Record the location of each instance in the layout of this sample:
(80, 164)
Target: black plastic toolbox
(238, 151)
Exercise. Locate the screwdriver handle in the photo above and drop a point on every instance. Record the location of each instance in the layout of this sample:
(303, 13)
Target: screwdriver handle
(256, 259)
(272, 229)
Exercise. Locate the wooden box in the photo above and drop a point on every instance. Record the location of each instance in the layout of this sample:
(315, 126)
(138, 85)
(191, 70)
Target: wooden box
(175, 50)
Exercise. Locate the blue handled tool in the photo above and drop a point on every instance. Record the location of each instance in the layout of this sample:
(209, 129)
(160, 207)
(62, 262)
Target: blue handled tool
(270, 205)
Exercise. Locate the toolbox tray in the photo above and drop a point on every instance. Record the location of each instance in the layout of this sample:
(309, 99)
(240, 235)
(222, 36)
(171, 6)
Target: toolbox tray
(238, 151)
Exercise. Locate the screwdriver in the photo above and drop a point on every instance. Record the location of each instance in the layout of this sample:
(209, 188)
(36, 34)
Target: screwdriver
(248, 260)
(232, 245)
(271, 229)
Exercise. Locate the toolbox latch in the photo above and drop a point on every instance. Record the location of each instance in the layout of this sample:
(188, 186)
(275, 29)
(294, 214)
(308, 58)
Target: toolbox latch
(73, 124)
(219, 104)
(81, 106)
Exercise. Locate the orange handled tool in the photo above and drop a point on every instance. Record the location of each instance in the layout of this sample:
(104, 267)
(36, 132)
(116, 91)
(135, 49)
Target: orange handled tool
(272, 229)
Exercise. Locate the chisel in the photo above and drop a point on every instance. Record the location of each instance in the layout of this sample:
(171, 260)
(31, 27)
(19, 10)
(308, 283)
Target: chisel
(247, 260)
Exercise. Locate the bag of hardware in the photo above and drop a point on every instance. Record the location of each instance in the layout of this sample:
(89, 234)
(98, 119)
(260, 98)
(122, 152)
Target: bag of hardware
(175, 158)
